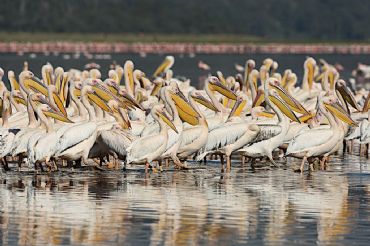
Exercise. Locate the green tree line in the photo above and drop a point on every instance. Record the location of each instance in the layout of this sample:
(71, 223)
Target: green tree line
(273, 19)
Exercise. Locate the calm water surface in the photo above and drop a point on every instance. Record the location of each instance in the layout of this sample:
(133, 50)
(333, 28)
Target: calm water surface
(203, 206)
(184, 64)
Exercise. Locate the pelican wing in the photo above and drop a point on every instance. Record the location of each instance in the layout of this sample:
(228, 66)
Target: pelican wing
(221, 137)
(6, 141)
(365, 131)
(190, 135)
(75, 135)
(117, 140)
(142, 147)
(309, 139)
(267, 131)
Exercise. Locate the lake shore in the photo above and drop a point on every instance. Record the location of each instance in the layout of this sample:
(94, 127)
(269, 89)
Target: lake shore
(181, 48)
(21, 43)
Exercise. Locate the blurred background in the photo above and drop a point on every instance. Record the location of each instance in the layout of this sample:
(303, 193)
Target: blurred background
(292, 20)
(220, 33)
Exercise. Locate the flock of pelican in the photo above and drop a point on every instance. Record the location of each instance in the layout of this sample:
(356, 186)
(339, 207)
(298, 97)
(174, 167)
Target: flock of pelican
(76, 118)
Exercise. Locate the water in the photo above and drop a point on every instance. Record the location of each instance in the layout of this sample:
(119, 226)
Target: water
(204, 206)
(184, 64)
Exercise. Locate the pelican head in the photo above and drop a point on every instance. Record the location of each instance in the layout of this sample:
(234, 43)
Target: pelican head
(284, 108)
(158, 112)
(238, 107)
(199, 98)
(291, 101)
(216, 85)
(333, 106)
(95, 98)
(260, 111)
(346, 94)
(164, 66)
(120, 114)
(49, 112)
(95, 73)
(309, 67)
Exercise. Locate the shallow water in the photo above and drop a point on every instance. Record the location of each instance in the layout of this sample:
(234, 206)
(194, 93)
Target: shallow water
(203, 206)
(185, 65)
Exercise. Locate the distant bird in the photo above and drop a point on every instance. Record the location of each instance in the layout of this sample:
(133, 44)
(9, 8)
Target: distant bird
(203, 66)
(239, 67)
(92, 65)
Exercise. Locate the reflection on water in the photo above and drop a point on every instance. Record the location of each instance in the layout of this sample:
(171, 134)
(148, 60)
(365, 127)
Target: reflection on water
(274, 207)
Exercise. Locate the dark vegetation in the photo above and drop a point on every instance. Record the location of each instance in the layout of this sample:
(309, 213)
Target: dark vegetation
(299, 20)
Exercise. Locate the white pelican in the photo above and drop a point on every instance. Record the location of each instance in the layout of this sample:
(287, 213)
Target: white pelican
(149, 148)
(195, 137)
(271, 136)
(318, 142)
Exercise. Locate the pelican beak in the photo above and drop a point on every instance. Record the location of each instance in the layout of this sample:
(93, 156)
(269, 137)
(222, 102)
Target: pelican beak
(102, 92)
(58, 82)
(260, 98)
(221, 77)
(339, 112)
(157, 86)
(19, 99)
(13, 81)
(49, 79)
(291, 101)
(94, 97)
(165, 65)
(237, 109)
(306, 117)
(113, 88)
(348, 96)
(331, 79)
(36, 85)
(130, 100)
(185, 117)
(366, 104)
(59, 104)
(57, 115)
(205, 102)
(182, 104)
(311, 72)
(77, 92)
(222, 89)
(284, 108)
(62, 87)
(266, 114)
(284, 79)
(166, 120)
(126, 120)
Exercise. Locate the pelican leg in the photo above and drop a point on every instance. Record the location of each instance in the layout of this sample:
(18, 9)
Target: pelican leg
(6, 165)
(272, 160)
(160, 166)
(367, 150)
(222, 162)
(302, 164)
(177, 162)
(351, 145)
(55, 167)
(322, 163)
(147, 165)
(228, 163)
(205, 160)
(243, 160)
(20, 160)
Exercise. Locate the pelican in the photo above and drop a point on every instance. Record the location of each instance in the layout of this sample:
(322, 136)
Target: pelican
(271, 136)
(320, 142)
(149, 148)
(195, 137)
